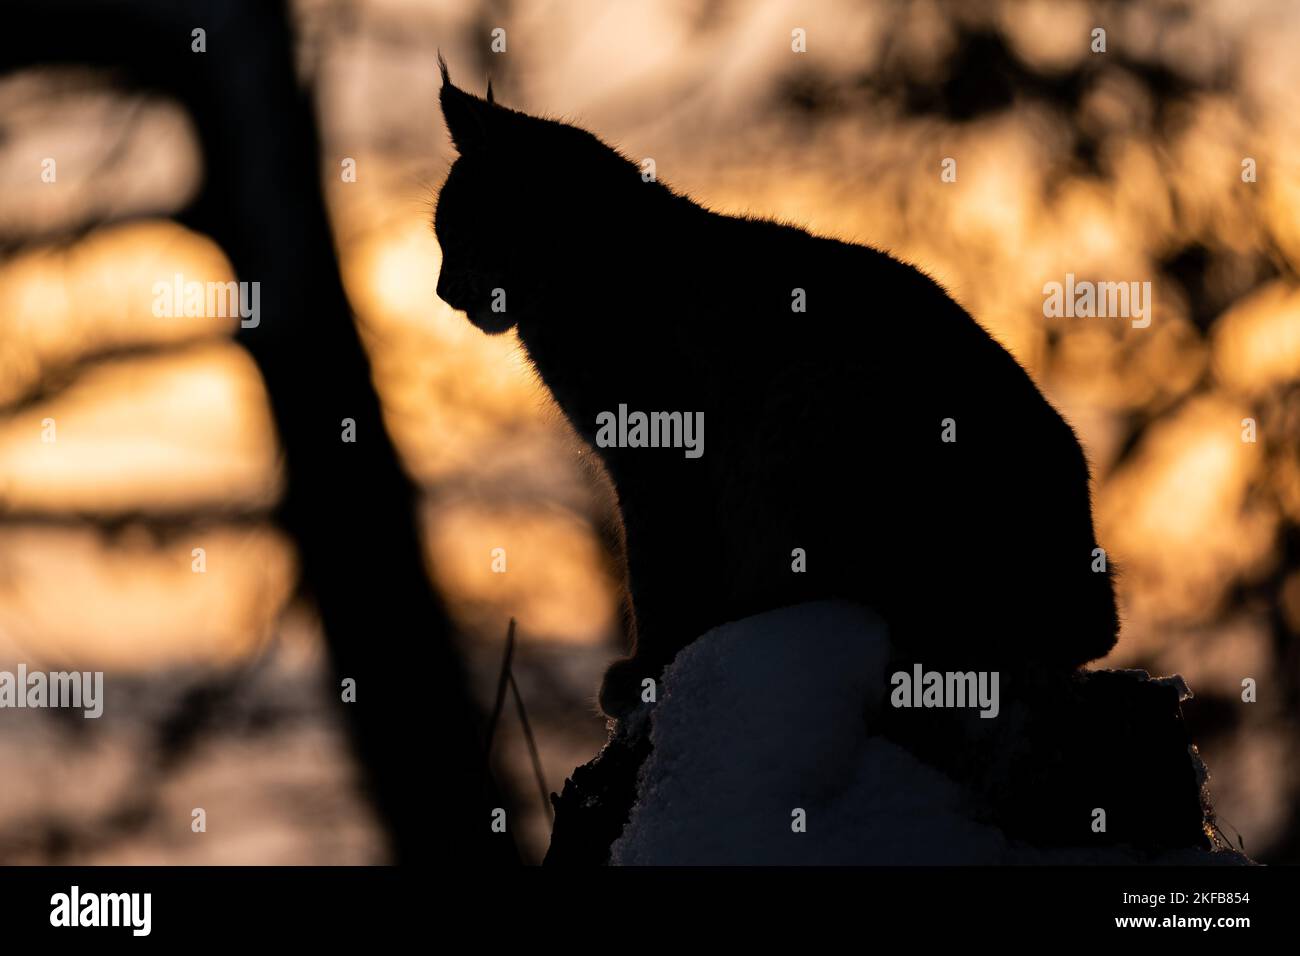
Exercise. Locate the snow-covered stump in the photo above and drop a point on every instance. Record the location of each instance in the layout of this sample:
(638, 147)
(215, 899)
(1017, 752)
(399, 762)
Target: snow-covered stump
(789, 738)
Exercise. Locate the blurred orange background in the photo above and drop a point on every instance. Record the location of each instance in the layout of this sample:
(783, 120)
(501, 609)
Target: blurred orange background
(1118, 166)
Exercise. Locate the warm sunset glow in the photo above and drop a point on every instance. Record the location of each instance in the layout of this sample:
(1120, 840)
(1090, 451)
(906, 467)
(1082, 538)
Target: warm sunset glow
(165, 432)
(165, 419)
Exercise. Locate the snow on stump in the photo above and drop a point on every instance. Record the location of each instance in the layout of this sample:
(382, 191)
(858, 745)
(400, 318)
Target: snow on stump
(782, 739)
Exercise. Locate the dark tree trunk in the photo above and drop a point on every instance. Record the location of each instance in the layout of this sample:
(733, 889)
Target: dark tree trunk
(348, 506)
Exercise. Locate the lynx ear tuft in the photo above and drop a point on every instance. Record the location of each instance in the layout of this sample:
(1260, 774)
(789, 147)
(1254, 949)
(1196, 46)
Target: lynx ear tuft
(490, 97)
(442, 68)
(468, 117)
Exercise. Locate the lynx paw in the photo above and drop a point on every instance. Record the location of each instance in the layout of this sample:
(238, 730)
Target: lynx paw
(622, 689)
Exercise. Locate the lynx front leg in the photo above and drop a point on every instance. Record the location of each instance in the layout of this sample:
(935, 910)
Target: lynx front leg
(676, 585)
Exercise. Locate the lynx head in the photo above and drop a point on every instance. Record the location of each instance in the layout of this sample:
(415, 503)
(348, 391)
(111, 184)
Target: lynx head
(521, 207)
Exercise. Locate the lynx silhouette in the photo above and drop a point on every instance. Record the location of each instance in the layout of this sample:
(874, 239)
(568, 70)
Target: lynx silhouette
(824, 428)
